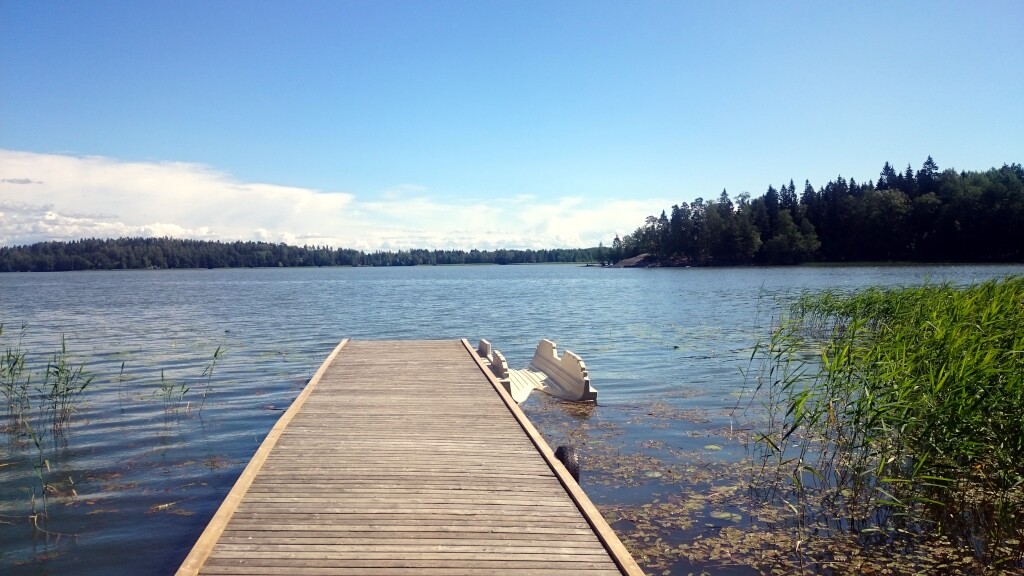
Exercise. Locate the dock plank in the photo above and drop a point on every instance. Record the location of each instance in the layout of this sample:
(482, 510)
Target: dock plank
(405, 457)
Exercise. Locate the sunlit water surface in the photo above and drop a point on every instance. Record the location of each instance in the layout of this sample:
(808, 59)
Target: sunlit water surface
(135, 478)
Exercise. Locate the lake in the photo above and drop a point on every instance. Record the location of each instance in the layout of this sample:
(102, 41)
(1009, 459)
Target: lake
(142, 466)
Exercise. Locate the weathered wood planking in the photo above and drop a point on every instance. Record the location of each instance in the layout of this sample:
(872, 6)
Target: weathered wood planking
(406, 457)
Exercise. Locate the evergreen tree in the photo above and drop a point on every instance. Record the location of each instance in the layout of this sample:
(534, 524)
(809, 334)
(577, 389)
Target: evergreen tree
(926, 176)
(887, 178)
(908, 184)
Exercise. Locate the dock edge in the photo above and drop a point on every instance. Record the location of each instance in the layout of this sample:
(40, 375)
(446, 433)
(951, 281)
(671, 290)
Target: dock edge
(615, 548)
(204, 545)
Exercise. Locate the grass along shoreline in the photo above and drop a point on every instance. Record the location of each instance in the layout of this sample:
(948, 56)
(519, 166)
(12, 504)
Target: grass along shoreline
(909, 423)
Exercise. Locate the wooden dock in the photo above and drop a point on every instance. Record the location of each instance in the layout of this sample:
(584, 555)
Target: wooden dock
(406, 457)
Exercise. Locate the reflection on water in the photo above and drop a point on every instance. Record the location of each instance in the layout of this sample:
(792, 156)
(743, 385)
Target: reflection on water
(137, 476)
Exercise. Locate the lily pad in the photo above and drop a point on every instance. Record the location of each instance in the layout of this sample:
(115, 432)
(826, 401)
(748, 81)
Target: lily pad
(723, 515)
(712, 447)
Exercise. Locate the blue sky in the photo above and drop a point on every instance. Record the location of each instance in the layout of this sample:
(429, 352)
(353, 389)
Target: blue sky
(481, 123)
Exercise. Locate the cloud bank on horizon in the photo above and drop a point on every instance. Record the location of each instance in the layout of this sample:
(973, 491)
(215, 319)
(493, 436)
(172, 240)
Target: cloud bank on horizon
(65, 197)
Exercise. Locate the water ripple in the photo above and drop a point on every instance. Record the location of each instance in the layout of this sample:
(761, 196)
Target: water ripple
(146, 461)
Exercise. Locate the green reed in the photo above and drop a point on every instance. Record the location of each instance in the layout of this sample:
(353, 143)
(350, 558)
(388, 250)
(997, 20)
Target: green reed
(40, 410)
(208, 373)
(14, 384)
(58, 395)
(38, 415)
(173, 394)
(40, 468)
(909, 419)
(63, 387)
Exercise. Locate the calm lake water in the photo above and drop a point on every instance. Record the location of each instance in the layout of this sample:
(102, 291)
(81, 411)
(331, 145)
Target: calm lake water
(135, 478)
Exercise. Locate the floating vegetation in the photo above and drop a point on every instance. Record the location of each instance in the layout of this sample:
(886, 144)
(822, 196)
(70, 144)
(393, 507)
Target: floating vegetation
(632, 469)
(706, 521)
(216, 462)
(792, 551)
(170, 507)
(688, 494)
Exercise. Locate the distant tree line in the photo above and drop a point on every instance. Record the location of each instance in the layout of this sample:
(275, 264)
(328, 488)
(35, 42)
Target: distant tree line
(140, 253)
(923, 216)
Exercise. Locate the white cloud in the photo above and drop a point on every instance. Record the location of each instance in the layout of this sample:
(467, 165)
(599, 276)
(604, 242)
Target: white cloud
(62, 197)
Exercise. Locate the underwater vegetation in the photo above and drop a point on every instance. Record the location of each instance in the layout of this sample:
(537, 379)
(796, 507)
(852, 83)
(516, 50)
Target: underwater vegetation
(881, 434)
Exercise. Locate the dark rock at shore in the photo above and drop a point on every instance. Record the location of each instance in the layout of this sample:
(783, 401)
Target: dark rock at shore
(641, 261)
(648, 261)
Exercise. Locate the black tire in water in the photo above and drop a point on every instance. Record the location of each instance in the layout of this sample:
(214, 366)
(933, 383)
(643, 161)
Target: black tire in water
(570, 459)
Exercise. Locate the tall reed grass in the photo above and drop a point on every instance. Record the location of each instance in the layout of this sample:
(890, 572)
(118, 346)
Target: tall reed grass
(38, 412)
(14, 384)
(56, 397)
(63, 387)
(41, 398)
(901, 411)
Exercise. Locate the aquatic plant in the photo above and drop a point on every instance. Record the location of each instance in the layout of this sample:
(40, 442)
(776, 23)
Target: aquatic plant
(38, 416)
(119, 383)
(40, 468)
(14, 384)
(172, 393)
(909, 420)
(208, 373)
(57, 396)
(63, 387)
